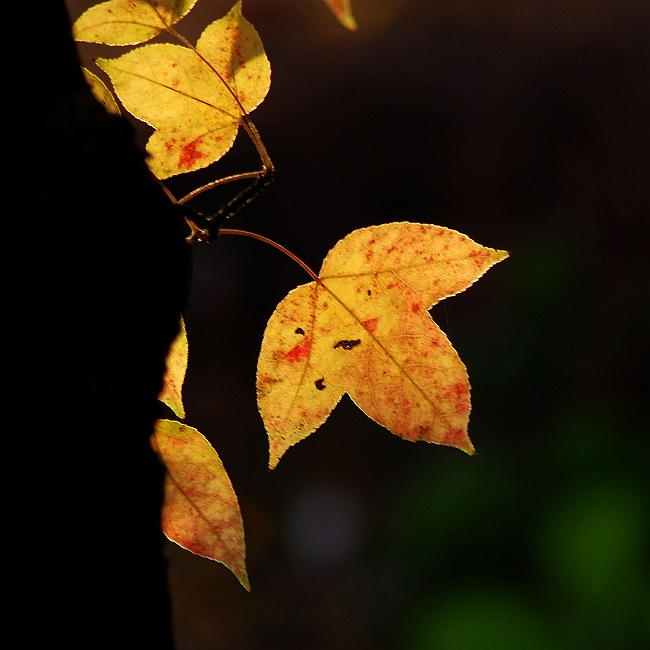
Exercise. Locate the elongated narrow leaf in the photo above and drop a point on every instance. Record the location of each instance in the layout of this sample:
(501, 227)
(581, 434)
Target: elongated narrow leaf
(201, 512)
(128, 22)
(176, 363)
(102, 94)
(364, 329)
(194, 101)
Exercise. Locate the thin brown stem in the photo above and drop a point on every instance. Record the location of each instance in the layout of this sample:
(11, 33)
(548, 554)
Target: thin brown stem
(222, 181)
(254, 135)
(266, 240)
(166, 190)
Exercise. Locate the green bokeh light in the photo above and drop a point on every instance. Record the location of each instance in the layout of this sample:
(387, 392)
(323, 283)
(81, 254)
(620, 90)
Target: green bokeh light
(479, 618)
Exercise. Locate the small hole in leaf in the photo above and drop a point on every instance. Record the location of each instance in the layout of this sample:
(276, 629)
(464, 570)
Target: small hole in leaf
(299, 330)
(320, 383)
(346, 344)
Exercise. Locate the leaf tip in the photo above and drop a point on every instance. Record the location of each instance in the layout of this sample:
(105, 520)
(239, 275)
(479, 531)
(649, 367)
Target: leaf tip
(274, 459)
(349, 22)
(494, 256)
(343, 12)
(177, 407)
(244, 581)
(458, 439)
(278, 447)
(469, 448)
(101, 63)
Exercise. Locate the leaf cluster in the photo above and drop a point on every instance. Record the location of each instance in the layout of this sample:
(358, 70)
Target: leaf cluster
(361, 327)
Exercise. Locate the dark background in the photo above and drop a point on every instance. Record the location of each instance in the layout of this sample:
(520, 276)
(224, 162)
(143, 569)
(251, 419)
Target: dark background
(524, 124)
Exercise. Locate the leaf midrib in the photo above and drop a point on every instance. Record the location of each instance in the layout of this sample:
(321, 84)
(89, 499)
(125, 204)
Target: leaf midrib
(385, 350)
(235, 118)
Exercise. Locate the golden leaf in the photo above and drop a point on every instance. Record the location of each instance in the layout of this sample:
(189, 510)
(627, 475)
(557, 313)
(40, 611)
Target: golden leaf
(102, 94)
(128, 22)
(200, 512)
(363, 329)
(176, 363)
(194, 100)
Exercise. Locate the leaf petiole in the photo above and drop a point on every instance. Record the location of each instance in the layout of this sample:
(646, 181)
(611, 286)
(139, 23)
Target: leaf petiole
(280, 247)
(217, 183)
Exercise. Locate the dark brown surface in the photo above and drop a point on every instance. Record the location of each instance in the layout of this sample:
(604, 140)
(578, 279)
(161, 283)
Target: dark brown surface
(103, 276)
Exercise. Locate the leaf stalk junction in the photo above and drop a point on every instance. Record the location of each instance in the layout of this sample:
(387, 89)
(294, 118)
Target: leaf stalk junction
(202, 226)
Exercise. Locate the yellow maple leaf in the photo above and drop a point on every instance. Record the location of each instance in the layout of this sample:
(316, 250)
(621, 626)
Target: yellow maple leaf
(195, 99)
(363, 329)
(200, 511)
(128, 22)
(176, 367)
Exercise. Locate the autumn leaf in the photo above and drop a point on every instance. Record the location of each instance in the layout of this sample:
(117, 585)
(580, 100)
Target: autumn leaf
(102, 94)
(128, 22)
(363, 329)
(176, 364)
(343, 12)
(195, 100)
(200, 512)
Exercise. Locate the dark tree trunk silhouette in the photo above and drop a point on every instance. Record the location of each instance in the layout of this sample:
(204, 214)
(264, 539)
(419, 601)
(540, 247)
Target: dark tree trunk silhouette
(100, 276)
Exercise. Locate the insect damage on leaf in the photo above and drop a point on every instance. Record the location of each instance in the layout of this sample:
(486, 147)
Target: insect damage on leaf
(376, 285)
(347, 345)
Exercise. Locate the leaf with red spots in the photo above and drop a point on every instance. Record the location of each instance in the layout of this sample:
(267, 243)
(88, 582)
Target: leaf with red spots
(200, 512)
(343, 12)
(195, 99)
(128, 22)
(176, 367)
(363, 329)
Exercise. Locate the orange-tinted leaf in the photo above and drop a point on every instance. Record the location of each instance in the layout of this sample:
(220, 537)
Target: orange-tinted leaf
(194, 101)
(128, 22)
(176, 363)
(343, 11)
(201, 512)
(364, 329)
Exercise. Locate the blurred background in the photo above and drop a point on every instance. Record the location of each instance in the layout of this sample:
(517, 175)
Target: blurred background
(524, 124)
